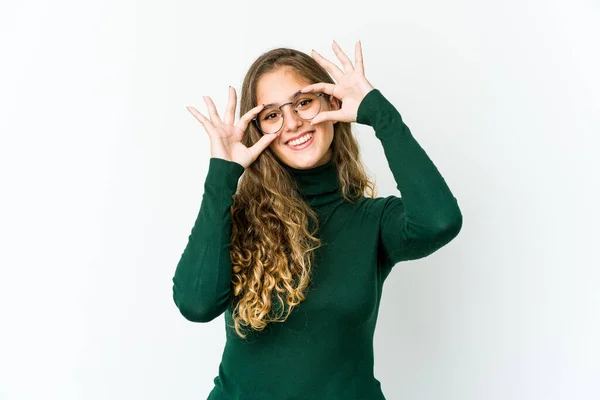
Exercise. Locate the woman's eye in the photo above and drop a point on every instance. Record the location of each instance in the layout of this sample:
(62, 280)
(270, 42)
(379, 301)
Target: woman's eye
(305, 101)
(268, 116)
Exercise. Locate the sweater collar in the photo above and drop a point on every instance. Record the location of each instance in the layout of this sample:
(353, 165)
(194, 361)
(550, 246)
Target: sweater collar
(318, 186)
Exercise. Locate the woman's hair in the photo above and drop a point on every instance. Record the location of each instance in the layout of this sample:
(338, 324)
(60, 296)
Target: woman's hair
(272, 247)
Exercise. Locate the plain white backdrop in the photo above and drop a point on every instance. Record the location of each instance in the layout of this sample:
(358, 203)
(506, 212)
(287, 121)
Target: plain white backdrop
(102, 172)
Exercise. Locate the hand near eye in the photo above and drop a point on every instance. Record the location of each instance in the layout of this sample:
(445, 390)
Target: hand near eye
(226, 138)
(351, 85)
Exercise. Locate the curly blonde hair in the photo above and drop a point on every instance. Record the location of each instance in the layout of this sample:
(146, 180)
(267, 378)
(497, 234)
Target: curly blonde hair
(272, 246)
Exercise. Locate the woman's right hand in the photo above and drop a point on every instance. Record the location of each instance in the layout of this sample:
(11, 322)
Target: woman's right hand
(225, 137)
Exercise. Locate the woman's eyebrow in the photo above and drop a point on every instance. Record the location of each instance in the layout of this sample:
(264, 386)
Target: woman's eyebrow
(291, 97)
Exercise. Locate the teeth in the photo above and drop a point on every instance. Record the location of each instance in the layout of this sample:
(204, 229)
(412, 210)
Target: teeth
(300, 140)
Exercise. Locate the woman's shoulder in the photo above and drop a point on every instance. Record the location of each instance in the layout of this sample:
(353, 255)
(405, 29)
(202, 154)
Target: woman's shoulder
(375, 206)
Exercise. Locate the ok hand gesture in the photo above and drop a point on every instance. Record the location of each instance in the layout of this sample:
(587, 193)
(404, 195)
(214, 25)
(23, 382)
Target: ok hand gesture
(226, 138)
(351, 86)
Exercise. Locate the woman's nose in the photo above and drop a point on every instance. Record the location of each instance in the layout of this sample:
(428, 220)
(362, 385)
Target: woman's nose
(291, 121)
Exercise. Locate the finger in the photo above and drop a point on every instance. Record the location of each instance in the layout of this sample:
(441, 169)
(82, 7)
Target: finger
(319, 87)
(330, 67)
(212, 111)
(342, 57)
(203, 120)
(337, 115)
(248, 117)
(230, 110)
(262, 144)
(358, 65)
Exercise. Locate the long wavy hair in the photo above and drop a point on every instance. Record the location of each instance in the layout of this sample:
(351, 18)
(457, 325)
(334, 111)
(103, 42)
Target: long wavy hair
(272, 246)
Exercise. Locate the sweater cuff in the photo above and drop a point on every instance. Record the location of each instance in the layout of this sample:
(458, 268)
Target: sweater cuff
(223, 173)
(374, 108)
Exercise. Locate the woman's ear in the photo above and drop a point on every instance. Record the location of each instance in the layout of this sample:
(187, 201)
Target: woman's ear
(334, 103)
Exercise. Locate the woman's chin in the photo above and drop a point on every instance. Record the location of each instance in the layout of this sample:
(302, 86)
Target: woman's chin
(306, 161)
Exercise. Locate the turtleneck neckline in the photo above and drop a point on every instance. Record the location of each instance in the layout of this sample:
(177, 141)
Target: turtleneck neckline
(318, 186)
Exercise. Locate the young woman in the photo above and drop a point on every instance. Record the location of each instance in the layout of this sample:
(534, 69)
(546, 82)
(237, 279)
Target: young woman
(294, 253)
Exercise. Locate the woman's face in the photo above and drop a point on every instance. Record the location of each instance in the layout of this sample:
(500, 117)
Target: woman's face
(278, 87)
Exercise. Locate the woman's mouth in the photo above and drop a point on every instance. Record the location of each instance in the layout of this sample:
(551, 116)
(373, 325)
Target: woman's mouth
(302, 142)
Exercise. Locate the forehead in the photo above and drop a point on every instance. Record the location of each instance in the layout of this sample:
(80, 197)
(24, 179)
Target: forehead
(277, 86)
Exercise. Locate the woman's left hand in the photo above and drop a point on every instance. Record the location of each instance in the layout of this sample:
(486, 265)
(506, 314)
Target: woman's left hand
(351, 85)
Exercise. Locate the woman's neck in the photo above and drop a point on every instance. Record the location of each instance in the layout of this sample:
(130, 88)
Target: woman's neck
(318, 186)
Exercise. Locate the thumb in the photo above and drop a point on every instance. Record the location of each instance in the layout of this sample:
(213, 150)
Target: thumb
(327, 116)
(263, 143)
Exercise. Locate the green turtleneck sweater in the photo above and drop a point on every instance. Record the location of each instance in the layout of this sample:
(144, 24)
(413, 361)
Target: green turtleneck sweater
(324, 350)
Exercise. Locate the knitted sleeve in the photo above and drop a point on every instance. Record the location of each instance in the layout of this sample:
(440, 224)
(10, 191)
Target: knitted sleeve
(201, 284)
(427, 215)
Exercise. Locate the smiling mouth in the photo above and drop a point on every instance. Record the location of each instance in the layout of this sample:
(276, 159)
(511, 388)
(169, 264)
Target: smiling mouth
(301, 140)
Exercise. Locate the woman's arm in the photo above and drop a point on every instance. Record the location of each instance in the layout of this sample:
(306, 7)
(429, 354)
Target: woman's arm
(201, 285)
(427, 216)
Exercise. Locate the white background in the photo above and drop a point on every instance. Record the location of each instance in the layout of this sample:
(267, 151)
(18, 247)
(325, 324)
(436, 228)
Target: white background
(102, 172)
